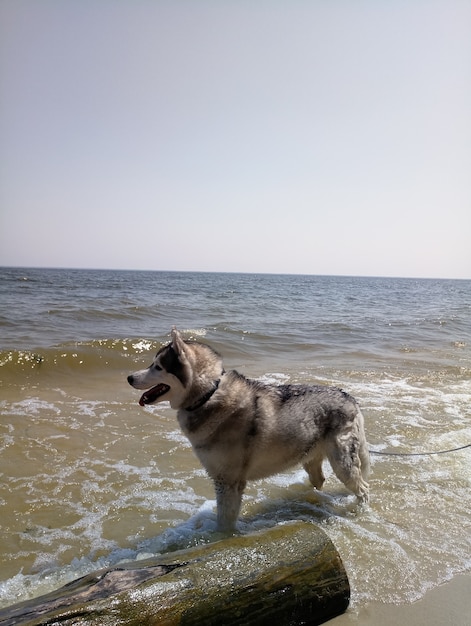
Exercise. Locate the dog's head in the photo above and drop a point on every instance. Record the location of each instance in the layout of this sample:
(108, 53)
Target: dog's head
(181, 372)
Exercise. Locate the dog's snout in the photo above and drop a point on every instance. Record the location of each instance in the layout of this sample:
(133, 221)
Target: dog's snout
(130, 379)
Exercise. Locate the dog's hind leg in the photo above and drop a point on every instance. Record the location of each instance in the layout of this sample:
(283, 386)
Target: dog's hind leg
(344, 456)
(313, 468)
(364, 457)
(228, 500)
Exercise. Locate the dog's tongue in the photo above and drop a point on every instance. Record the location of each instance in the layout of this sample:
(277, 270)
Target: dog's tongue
(152, 394)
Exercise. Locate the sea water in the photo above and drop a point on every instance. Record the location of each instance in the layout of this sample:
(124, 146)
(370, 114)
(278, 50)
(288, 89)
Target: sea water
(88, 478)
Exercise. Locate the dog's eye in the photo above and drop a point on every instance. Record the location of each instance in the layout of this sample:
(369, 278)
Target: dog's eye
(158, 368)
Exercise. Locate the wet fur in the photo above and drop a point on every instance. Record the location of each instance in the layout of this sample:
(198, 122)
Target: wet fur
(243, 429)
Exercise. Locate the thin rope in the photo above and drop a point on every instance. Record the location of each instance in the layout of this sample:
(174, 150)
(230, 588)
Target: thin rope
(468, 445)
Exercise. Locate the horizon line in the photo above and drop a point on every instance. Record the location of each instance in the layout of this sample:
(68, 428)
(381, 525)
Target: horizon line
(252, 273)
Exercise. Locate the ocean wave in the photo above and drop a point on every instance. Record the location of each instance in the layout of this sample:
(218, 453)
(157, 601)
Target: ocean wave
(68, 357)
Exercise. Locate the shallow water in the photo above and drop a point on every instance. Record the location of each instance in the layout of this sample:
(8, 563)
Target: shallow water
(89, 478)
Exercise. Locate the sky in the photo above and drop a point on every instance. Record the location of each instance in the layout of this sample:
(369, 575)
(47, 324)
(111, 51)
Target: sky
(281, 136)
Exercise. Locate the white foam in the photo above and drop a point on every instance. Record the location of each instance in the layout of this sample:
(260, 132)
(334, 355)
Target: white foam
(142, 345)
(190, 333)
(274, 378)
(30, 406)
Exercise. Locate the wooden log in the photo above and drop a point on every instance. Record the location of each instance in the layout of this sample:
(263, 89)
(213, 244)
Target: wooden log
(289, 574)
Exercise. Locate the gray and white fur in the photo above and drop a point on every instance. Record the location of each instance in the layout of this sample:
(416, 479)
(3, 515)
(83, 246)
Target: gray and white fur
(243, 429)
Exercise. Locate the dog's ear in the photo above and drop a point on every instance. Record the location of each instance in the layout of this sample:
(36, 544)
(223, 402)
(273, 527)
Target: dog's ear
(177, 342)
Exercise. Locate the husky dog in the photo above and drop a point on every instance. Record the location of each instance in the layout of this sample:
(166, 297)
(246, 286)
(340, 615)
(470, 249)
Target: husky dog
(243, 429)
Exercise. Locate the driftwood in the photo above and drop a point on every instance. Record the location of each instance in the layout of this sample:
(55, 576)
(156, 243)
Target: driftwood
(290, 574)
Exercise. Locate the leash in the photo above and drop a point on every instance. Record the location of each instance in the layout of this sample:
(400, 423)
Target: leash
(468, 445)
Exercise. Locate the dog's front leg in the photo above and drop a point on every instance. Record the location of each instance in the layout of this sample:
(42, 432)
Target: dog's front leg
(228, 499)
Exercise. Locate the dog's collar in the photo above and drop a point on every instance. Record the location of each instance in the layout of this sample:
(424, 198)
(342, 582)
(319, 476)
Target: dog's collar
(205, 398)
